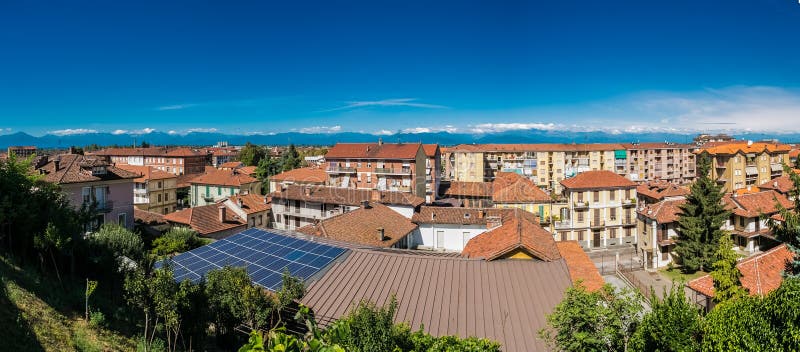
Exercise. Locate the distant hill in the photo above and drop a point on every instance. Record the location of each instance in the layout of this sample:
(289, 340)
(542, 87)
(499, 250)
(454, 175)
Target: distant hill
(443, 138)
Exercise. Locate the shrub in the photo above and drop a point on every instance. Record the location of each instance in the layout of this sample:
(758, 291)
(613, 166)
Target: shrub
(97, 319)
(176, 240)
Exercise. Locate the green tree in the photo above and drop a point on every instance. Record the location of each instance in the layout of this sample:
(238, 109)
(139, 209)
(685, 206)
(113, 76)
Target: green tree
(267, 167)
(603, 320)
(144, 144)
(50, 242)
(290, 159)
(367, 328)
(700, 221)
(673, 324)
(177, 240)
(725, 274)
(788, 230)
(785, 317)
(251, 154)
(739, 325)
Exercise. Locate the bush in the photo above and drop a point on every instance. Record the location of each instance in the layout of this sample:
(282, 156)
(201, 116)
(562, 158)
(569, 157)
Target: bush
(158, 345)
(97, 319)
(82, 342)
(176, 240)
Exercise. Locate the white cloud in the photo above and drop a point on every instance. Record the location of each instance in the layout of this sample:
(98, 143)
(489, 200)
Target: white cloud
(175, 107)
(141, 131)
(202, 130)
(173, 132)
(447, 128)
(407, 102)
(503, 127)
(321, 129)
(72, 131)
(383, 133)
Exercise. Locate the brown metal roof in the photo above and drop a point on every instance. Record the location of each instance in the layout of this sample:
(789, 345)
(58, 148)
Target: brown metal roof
(506, 301)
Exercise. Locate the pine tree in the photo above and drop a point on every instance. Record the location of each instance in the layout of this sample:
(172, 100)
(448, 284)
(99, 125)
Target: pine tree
(788, 230)
(700, 221)
(725, 274)
(290, 158)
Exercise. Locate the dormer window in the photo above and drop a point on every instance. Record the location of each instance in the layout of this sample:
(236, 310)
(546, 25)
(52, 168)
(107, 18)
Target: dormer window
(466, 215)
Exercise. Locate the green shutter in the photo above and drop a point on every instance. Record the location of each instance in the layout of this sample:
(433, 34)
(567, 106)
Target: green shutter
(620, 154)
(207, 191)
(219, 191)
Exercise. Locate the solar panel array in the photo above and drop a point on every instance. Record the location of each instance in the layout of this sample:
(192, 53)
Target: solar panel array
(265, 255)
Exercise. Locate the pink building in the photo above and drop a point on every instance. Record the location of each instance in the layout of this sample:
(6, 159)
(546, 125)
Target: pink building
(88, 180)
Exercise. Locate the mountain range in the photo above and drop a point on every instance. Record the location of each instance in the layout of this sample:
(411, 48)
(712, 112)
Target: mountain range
(442, 138)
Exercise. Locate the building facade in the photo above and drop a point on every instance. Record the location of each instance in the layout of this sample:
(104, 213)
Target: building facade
(211, 187)
(379, 166)
(670, 162)
(177, 161)
(155, 190)
(745, 165)
(600, 211)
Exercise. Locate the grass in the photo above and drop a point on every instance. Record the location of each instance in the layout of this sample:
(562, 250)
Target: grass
(676, 275)
(37, 315)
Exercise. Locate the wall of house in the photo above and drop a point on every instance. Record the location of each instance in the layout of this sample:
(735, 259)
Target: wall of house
(453, 236)
(404, 210)
(542, 210)
(199, 193)
(290, 214)
(612, 215)
(119, 199)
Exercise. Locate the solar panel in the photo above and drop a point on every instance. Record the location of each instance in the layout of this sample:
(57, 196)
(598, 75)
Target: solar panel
(264, 254)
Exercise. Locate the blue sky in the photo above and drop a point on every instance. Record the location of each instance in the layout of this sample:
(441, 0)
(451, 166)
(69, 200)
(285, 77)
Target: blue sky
(380, 66)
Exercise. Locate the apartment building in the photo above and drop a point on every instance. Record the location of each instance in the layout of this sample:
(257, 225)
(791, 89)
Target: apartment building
(546, 164)
(600, 211)
(177, 161)
(670, 162)
(22, 152)
(381, 166)
(749, 213)
(215, 185)
(155, 190)
(745, 164)
(312, 175)
(433, 171)
(296, 206)
(658, 231)
(508, 190)
(90, 181)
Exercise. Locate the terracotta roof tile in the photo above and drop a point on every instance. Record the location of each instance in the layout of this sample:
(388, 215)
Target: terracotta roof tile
(581, 267)
(757, 203)
(761, 274)
(542, 147)
(75, 168)
(205, 219)
(782, 184)
(304, 175)
(430, 149)
(745, 148)
(469, 189)
(147, 173)
(457, 215)
(147, 217)
(597, 179)
(248, 170)
(223, 178)
(361, 226)
(520, 232)
(231, 165)
(348, 196)
(251, 203)
(663, 212)
(373, 151)
(509, 187)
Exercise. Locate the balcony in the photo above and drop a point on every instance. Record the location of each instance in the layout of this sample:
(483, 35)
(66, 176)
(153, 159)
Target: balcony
(629, 222)
(340, 170)
(563, 224)
(627, 203)
(389, 171)
(580, 204)
(105, 207)
(597, 224)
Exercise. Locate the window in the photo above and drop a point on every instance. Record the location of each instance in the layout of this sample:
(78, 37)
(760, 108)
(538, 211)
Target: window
(741, 221)
(166, 197)
(296, 222)
(580, 216)
(613, 213)
(219, 191)
(580, 235)
(612, 195)
(86, 193)
(596, 196)
(121, 219)
(207, 192)
(439, 239)
(260, 219)
(159, 198)
(159, 184)
(369, 177)
(612, 232)
(358, 176)
(580, 197)
(358, 165)
(628, 232)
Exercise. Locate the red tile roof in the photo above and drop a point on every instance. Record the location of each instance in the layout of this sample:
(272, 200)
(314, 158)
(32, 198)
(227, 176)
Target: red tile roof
(183, 152)
(659, 190)
(373, 151)
(303, 175)
(147, 217)
(231, 165)
(543, 147)
(469, 189)
(248, 170)
(205, 219)
(361, 226)
(581, 267)
(761, 274)
(347, 196)
(663, 212)
(459, 216)
(520, 232)
(251, 203)
(754, 204)
(658, 145)
(745, 148)
(147, 173)
(430, 149)
(782, 184)
(597, 179)
(75, 168)
(794, 153)
(223, 178)
(509, 187)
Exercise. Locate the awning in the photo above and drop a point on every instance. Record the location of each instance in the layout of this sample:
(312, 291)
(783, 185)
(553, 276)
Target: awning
(776, 167)
(751, 170)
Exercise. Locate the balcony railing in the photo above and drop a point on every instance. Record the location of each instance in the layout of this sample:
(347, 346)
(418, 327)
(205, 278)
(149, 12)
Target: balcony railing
(627, 222)
(628, 203)
(563, 224)
(402, 171)
(581, 204)
(597, 224)
(105, 207)
(341, 170)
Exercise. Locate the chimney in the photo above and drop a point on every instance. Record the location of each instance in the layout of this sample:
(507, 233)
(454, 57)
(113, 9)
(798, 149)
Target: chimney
(376, 195)
(57, 163)
(381, 236)
(481, 214)
(749, 142)
(222, 210)
(380, 141)
(239, 202)
(433, 216)
(749, 188)
(72, 150)
(365, 204)
(775, 184)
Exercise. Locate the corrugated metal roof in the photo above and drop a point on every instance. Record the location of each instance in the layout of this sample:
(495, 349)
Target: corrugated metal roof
(506, 301)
